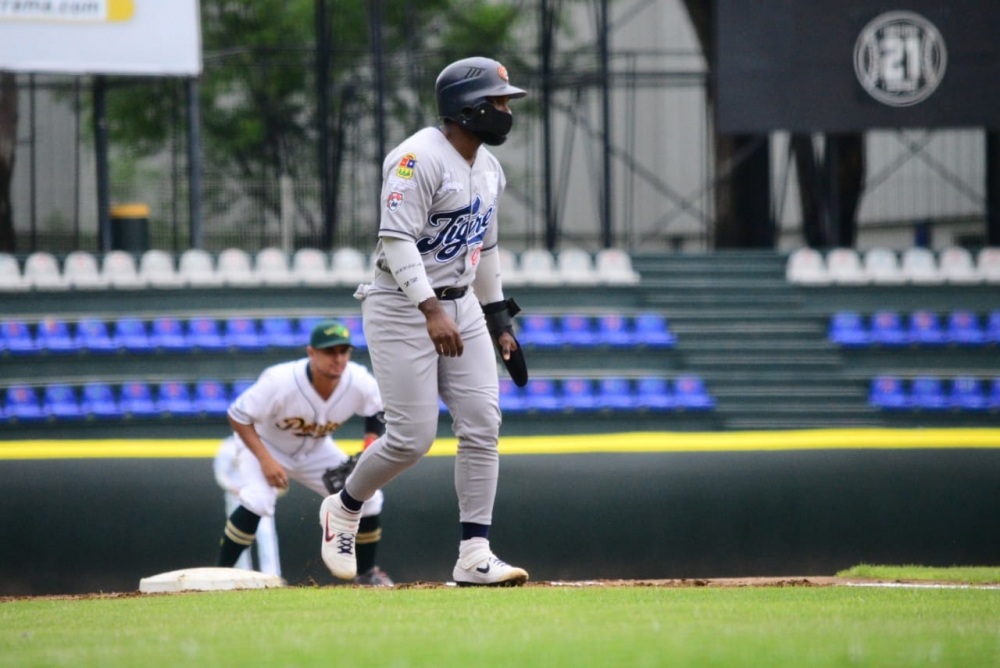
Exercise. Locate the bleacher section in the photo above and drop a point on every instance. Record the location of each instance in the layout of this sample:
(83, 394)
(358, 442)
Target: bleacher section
(704, 342)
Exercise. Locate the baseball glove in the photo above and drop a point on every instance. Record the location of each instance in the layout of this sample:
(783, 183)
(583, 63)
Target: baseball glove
(334, 479)
(499, 319)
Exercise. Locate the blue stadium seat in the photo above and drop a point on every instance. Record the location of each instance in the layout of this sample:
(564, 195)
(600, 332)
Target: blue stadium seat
(511, 397)
(131, 335)
(18, 338)
(539, 330)
(993, 327)
(355, 325)
(578, 394)
(925, 329)
(690, 393)
(242, 334)
(967, 394)
(964, 329)
(204, 334)
(541, 395)
(137, 400)
(239, 387)
(305, 326)
(23, 404)
(615, 330)
(210, 397)
(278, 332)
(577, 331)
(54, 335)
(654, 393)
(847, 328)
(615, 392)
(886, 329)
(889, 393)
(99, 400)
(60, 402)
(652, 330)
(927, 393)
(442, 407)
(92, 333)
(174, 397)
(168, 334)
(993, 400)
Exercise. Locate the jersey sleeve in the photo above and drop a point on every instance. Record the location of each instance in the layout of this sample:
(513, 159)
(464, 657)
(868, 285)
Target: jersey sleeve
(410, 178)
(256, 403)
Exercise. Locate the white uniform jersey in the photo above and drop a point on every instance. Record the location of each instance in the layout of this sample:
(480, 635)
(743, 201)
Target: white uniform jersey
(291, 418)
(432, 196)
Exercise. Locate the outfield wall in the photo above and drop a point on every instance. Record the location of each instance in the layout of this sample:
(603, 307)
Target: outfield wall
(103, 515)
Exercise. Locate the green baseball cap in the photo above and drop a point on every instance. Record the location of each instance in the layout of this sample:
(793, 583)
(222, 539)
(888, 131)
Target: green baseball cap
(329, 333)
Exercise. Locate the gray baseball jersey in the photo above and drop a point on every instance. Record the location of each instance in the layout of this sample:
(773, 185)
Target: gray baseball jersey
(447, 207)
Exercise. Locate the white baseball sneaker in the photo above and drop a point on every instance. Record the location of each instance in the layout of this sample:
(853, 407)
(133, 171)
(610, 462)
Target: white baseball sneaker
(340, 529)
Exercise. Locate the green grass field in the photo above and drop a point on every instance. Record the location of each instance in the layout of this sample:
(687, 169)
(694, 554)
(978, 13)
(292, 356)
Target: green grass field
(530, 626)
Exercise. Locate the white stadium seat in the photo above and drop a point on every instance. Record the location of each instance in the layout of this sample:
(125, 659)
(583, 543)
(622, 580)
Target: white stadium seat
(882, 267)
(350, 266)
(806, 266)
(538, 267)
(576, 267)
(236, 268)
(311, 266)
(920, 267)
(197, 268)
(11, 279)
(988, 264)
(119, 270)
(156, 268)
(41, 271)
(957, 265)
(843, 265)
(614, 267)
(510, 269)
(271, 267)
(81, 271)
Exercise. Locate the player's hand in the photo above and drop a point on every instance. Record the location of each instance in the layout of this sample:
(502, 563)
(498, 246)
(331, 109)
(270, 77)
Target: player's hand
(274, 473)
(442, 329)
(507, 343)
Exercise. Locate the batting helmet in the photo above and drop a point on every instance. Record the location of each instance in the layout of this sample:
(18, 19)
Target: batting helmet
(462, 90)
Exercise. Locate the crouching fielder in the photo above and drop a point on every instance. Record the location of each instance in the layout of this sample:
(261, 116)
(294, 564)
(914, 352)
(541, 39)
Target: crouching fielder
(285, 420)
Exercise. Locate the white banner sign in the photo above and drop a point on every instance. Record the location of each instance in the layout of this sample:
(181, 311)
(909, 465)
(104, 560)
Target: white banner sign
(158, 37)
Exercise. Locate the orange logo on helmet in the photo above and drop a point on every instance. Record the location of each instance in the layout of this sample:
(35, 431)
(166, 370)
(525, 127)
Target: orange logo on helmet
(502, 71)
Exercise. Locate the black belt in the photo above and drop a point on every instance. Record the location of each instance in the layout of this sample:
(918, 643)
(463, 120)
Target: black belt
(446, 294)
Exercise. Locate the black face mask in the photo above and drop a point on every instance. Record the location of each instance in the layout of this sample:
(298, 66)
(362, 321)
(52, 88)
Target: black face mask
(488, 123)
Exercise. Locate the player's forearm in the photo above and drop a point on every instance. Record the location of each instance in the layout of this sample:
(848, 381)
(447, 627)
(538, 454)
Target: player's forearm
(407, 268)
(487, 283)
(249, 436)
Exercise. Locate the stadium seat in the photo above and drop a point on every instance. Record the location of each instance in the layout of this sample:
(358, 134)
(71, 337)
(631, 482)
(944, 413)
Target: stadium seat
(41, 272)
(967, 394)
(538, 267)
(119, 270)
(242, 334)
(11, 279)
(511, 397)
(539, 330)
(993, 327)
(92, 334)
(920, 267)
(131, 335)
(614, 267)
(54, 335)
(81, 271)
(156, 269)
(690, 393)
(886, 329)
(210, 397)
(578, 394)
(174, 397)
(311, 266)
(204, 334)
(197, 268)
(168, 334)
(98, 399)
(843, 266)
(305, 326)
(541, 395)
(17, 338)
(272, 268)
(988, 264)
(925, 329)
(652, 330)
(806, 266)
(238, 387)
(60, 402)
(847, 328)
(349, 266)
(956, 265)
(615, 330)
(137, 400)
(993, 400)
(355, 325)
(964, 329)
(510, 268)
(278, 332)
(576, 267)
(882, 267)
(927, 393)
(888, 393)
(577, 331)
(22, 404)
(615, 392)
(235, 268)
(654, 393)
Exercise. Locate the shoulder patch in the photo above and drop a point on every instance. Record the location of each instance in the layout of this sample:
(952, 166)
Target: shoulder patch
(394, 201)
(406, 166)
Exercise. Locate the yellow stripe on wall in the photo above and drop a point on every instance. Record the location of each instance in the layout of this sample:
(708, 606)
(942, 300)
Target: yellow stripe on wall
(733, 441)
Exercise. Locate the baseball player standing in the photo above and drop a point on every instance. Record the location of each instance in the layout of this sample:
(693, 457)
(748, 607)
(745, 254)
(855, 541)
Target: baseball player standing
(285, 420)
(438, 272)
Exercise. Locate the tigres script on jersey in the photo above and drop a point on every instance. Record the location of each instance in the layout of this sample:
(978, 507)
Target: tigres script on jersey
(432, 196)
(290, 416)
